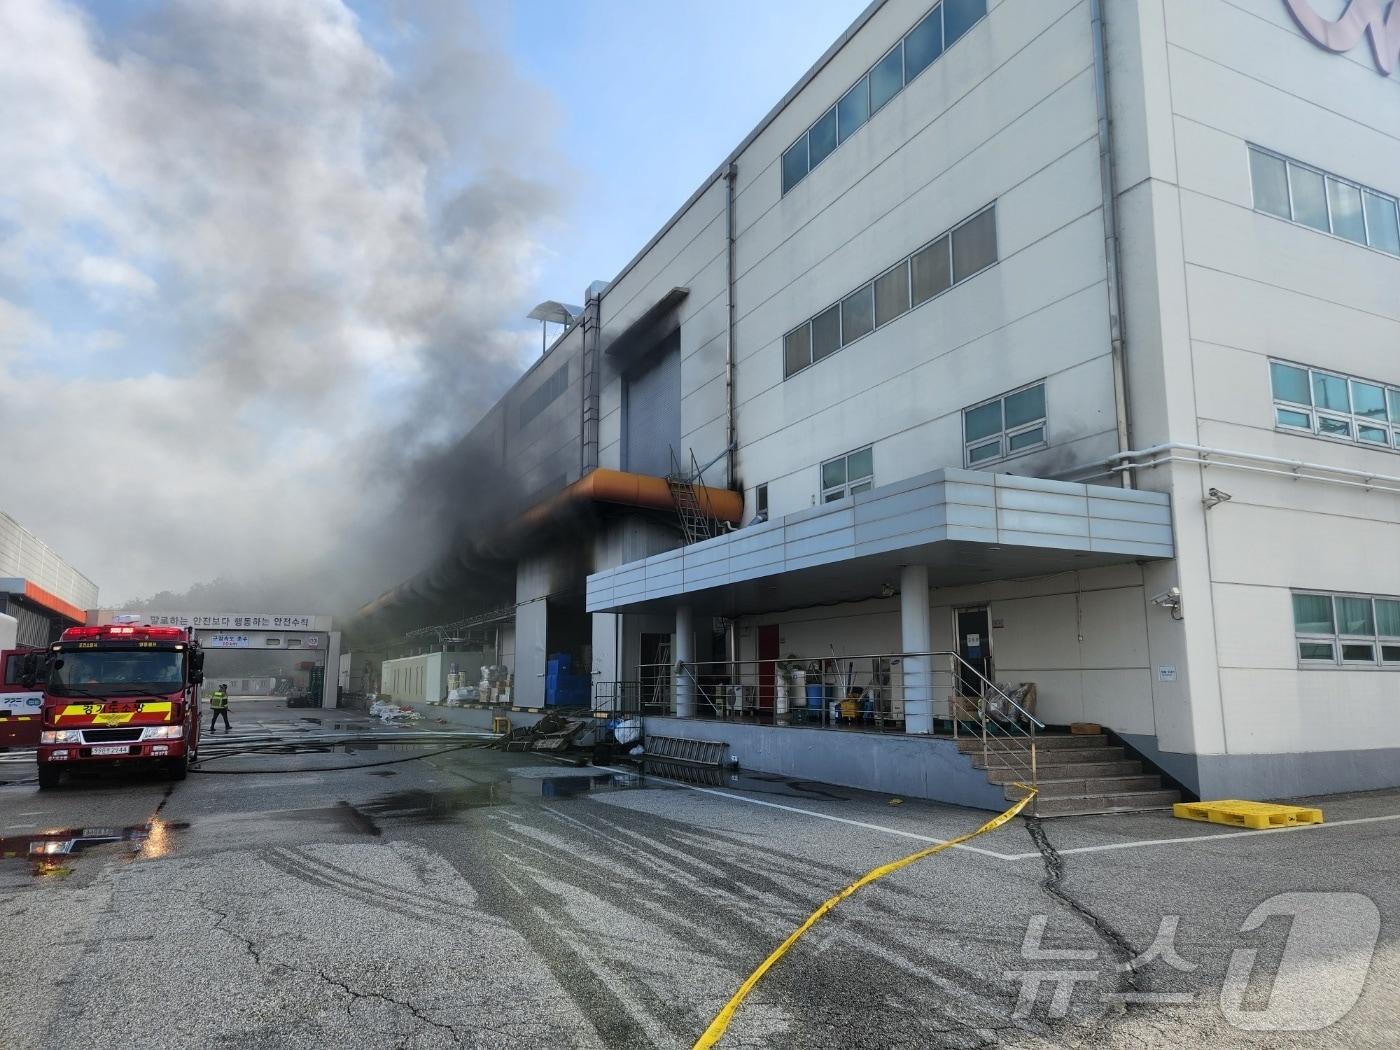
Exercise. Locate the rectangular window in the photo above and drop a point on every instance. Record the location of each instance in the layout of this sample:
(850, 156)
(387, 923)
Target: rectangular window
(854, 110)
(760, 499)
(795, 165)
(821, 139)
(1381, 223)
(954, 257)
(1344, 204)
(848, 475)
(1336, 406)
(857, 314)
(1309, 197)
(1004, 427)
(887, 78)
(923, 44)
(1299, 193)
(1270, 178)
(892, 293)
(959, 16)
(826, 333)
(933, 270)
(1330, 392)
(1290, 383)
(974, 245)
(938, 30)
(797, 348)
(1342, 629)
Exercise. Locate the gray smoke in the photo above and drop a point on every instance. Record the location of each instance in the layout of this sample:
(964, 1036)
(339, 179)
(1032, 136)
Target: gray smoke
(302, 245)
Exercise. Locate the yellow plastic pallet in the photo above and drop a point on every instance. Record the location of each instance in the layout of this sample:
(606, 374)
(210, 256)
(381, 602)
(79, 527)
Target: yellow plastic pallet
(1241, 814)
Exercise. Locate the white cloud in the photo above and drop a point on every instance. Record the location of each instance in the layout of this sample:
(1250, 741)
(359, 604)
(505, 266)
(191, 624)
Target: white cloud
(275, 177)
(108, 272)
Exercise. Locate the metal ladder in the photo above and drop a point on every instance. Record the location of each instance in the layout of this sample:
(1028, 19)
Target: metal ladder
(661, 687)
(696, 523)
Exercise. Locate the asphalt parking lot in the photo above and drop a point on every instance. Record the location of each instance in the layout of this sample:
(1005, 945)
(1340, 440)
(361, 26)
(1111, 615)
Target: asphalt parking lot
(477, 898)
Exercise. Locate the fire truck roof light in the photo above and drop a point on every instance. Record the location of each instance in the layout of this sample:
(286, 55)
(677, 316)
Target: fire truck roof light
(122, 632)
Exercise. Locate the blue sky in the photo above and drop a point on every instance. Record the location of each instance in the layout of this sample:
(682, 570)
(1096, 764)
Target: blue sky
(264, 253)
(655, 97)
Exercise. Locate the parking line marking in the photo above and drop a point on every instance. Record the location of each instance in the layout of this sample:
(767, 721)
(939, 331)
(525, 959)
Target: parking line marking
(813, 813)
(1144, 843)
(1101, 848)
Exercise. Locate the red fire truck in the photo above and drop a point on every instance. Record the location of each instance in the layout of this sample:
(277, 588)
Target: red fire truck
(119, 694)
(19, 703)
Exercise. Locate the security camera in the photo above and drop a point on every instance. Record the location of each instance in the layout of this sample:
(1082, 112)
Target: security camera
(1170, 600)
(1215, 497)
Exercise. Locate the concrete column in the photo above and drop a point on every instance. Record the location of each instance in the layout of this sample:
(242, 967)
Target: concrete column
(916, 637)
(685, 654)
(331, 676)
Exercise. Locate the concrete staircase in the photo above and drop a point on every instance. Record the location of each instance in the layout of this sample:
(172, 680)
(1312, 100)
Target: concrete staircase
(1076, 774)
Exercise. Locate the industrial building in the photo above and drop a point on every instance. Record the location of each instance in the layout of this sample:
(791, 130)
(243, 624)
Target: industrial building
(1037, 343)
(38, 588)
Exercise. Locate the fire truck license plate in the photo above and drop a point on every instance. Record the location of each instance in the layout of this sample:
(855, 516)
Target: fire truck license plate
(123, 749)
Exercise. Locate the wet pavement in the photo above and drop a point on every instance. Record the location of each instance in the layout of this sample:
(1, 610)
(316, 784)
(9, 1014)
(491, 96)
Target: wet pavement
(476, 898)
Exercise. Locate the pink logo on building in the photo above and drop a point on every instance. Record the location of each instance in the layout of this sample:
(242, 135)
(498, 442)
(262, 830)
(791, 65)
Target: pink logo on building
(1379, 19)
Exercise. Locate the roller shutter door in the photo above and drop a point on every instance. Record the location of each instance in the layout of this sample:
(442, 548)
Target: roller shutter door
(653, 408)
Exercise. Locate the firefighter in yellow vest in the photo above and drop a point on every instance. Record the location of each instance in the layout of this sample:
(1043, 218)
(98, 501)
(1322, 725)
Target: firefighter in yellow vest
(218, 703)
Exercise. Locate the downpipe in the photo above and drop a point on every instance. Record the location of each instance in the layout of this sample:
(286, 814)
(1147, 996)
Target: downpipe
(1108, 181)
(731, 444)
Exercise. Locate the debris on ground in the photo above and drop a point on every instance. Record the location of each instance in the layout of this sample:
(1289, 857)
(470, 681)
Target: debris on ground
(553, 732)
(392, 713)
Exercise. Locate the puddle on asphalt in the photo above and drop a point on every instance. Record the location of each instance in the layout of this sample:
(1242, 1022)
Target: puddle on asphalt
(51, 853)
(334, 724)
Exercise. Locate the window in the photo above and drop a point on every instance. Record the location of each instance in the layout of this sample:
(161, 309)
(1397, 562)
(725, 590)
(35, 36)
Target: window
(858, 314)
(1004, 427)
(892, 293)
(1335, 406)
(795, 164)
(932, 270)
(760, 499)
(1302, 194)
(954, 257)
(847, 475)
(921, 46)
(887, 78)
(854, 110)
(797, 348)
(826, 332)
(959, 16)
(974, 246)
(1346, 629)
(543, 395)
(821, 140)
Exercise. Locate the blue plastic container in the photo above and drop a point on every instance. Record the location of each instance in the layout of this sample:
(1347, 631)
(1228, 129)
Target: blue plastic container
(816, 696)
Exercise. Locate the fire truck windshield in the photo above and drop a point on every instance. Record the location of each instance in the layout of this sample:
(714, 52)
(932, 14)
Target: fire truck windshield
(97, 672)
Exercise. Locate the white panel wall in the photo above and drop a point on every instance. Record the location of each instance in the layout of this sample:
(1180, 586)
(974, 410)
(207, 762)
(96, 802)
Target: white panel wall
(1007, 115)
(1215, 290)
(1081, 637)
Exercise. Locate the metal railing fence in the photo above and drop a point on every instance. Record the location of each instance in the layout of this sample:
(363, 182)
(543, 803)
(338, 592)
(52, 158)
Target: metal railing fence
(904, 693)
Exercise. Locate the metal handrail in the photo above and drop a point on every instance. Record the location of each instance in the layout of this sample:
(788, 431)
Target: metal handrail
(1028, 765)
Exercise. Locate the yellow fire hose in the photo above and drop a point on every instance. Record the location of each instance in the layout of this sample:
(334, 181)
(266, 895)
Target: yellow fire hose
(722, 1019)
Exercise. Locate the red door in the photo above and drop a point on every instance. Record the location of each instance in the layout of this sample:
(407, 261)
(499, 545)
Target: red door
(767, 665)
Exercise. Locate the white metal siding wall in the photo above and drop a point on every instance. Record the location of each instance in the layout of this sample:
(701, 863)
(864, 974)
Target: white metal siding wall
(22, 554)
(1214, 290)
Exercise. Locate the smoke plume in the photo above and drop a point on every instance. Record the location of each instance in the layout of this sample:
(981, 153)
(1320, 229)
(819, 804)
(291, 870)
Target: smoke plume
(289, 247)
